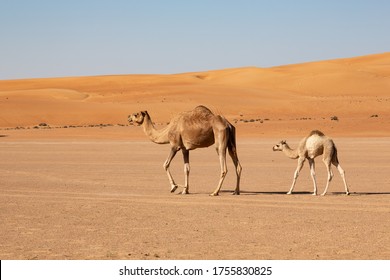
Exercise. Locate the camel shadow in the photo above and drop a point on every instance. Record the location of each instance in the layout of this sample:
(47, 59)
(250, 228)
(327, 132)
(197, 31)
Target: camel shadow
(273, 193)
(243, 192)
(308, 193)
(370, 193)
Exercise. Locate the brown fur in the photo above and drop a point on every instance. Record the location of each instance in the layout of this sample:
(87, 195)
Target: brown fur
(189, 130)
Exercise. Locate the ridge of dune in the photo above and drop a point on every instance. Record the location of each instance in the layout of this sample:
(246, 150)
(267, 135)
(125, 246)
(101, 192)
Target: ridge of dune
(349, 76)
(46, 93)
(355, 87)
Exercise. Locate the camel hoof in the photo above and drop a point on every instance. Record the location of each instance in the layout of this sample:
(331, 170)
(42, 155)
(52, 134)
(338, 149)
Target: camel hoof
(289, 193)
(185, 192)
(323, 194)
(347, 193)
(214, 194)
(173, 188)
(236, 193)
(316, 194)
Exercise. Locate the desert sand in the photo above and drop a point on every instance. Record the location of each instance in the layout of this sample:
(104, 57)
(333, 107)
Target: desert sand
(78, 182)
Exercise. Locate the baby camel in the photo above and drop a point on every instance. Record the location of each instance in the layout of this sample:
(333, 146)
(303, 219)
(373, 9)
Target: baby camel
(309, 148)
(187, 131)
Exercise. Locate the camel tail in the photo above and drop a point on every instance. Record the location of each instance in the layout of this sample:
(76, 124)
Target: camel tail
(335, 159)
(232, 146)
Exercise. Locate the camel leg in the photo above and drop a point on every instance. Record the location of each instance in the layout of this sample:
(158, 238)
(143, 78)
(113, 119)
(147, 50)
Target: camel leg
(313, 175)
(336, 163)
(342, 173)
(330, 176)
(166, 168)
(186, 157)
(222, 161)
(296, 174)
(236, 162)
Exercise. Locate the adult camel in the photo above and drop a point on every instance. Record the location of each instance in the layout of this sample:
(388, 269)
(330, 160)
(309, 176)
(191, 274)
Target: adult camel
(190, 130)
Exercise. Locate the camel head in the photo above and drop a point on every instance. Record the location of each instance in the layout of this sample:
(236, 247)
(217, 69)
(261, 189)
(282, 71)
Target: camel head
(137, 118)
(279, 146)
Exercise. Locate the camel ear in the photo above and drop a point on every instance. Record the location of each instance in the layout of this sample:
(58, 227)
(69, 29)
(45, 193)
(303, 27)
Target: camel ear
(144, 113)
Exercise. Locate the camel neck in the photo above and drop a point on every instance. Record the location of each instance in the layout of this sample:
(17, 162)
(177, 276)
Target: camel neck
(156, 136)
(291, 153)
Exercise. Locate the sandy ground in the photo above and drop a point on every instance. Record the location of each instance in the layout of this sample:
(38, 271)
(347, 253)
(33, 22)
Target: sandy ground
(76, 182)
(109, 198)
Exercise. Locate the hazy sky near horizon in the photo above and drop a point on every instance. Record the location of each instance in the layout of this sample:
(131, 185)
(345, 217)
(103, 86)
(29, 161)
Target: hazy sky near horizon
(50, 38)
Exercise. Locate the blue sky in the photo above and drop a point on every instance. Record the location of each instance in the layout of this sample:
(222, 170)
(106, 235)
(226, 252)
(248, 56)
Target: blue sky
(44, 38)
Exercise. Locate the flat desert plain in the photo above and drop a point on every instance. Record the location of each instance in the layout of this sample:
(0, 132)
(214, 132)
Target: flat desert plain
(78, 182)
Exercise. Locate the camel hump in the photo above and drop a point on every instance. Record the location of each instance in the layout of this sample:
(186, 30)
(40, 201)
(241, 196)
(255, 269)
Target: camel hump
(316, 132)
(203, 109)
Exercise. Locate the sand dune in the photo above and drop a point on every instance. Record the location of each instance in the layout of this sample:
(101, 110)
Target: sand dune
(353, 89)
